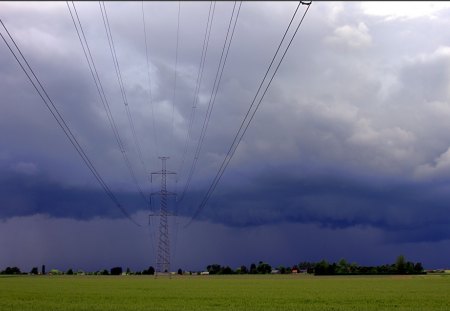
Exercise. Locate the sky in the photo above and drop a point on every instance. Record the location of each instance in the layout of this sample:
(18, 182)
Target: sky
(348, 155)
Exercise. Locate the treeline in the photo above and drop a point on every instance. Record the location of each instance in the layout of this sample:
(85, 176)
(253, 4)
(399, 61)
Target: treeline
(323, 267)
(112, 271)
(401, 266)
(11, 270)
(261, 268)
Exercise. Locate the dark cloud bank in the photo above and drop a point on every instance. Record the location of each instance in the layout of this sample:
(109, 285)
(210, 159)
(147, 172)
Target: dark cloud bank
(350, 148)
(408, 212)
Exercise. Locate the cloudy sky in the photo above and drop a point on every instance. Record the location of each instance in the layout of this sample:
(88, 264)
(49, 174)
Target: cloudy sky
(348, 155)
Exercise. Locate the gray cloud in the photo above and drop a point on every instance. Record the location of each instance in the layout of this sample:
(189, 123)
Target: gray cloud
(105, 243)
(352, 133)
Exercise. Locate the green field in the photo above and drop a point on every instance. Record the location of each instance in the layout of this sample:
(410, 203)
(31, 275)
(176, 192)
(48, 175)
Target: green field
(250, 292)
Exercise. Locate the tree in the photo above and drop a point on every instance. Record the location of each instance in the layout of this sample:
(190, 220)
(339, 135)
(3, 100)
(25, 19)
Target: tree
(332, 268)
(213, 269)
(226, 270)
(116, 271)
(9, 270)
(409, 267)
(253, 269)
(342, 267)
(400, 264)
(149, 271)
(128, 271)
(418, 268)
(34, 270)
(353, 268)
(321, 267)
(69, 272)
(308, 266)
(242, 270)
(180, 272)
(263, 268)
(14, 270)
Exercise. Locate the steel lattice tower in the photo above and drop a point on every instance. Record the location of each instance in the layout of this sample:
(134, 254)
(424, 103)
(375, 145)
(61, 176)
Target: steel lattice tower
(163, 251)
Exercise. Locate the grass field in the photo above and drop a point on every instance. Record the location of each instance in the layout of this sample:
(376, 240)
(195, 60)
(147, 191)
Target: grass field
(271, 292)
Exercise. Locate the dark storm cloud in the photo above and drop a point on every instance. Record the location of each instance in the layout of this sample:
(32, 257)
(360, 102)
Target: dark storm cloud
(416, 211)
(105, 243)
(26, 193)
(351, 137)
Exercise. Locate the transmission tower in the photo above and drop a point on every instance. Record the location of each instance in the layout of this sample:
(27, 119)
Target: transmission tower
(163, 251)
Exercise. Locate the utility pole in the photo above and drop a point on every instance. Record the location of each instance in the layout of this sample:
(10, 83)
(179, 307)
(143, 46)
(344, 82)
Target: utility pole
(163, 251)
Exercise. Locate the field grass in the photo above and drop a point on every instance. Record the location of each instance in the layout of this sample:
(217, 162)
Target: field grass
(271, 292)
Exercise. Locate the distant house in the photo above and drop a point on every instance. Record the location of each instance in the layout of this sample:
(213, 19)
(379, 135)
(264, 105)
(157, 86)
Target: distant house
(204, 273)
(294, 271)
(275, 271)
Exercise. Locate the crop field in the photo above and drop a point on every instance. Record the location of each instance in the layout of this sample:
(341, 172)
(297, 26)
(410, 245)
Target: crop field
(250, 292)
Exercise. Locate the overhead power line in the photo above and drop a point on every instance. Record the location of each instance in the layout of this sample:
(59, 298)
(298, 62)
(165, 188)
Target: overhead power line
(175, 72)
(201, 68)
(22, 61)
(251, 113)
(212, 99)
(120, 80)
(99, 86)
(155, 134)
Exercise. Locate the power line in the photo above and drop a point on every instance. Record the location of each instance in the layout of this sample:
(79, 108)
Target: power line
(212, 99)
(243, 129)
(155, 134)
(60, 120)
(201, 68)
(120, 80)
(101, 92)
(175, 70)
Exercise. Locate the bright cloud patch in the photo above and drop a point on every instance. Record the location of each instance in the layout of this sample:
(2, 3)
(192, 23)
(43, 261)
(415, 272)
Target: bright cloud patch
(404, 9)
(439, 169)
(352, 36)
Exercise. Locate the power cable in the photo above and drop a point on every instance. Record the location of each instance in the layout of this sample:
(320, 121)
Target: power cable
(175, 73)
(61, 122)
(120, 81)
(243, 129)
(101, 92)
(217, 80)
(201, 68)
(155, 134)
